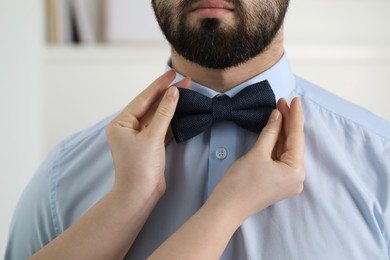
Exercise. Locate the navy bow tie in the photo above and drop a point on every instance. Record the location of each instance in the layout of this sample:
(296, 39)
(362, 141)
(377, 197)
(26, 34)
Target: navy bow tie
(250, 109)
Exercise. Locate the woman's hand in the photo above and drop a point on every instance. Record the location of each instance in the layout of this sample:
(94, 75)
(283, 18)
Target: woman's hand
(271, 171)
(137, 137)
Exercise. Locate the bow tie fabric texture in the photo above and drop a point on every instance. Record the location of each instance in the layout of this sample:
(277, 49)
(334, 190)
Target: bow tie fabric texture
(250, 109)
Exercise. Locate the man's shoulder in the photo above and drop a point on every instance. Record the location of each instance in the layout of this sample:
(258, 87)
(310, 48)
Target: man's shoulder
(73, 176)
(83, 156)
(82, 162)
(77, 149)
(341, 109)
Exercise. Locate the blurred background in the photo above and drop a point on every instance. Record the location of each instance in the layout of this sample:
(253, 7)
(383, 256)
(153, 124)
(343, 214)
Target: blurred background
(66, 64)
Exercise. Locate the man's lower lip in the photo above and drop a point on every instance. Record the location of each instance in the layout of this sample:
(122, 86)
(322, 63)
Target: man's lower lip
(212, 12)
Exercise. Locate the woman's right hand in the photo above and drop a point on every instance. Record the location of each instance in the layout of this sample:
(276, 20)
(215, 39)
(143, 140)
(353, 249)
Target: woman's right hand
(271, 171)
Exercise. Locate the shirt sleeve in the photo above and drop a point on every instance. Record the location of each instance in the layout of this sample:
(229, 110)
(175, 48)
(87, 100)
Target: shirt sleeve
(32, 223)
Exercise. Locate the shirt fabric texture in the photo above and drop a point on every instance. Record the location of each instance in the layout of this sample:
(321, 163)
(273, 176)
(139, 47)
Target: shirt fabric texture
(342, 213)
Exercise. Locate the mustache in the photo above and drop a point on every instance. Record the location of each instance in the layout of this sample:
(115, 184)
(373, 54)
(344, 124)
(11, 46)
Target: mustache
(186, 5)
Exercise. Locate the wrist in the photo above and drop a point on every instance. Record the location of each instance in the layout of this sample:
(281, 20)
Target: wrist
(239, 206)
(128, 184)
(137, 194)
(224, 205)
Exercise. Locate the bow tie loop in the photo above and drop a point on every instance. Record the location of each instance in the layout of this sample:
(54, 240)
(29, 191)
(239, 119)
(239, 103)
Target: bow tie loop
(250, 109)
(222, 108)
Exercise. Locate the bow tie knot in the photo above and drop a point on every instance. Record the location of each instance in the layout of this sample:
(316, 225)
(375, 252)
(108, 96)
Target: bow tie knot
(222, 108)
(250, 109)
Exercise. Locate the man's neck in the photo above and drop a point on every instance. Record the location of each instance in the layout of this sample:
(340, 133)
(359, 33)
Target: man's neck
(222, 80)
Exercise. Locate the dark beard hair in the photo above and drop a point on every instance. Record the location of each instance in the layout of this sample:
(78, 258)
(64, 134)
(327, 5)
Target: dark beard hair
(213, 46)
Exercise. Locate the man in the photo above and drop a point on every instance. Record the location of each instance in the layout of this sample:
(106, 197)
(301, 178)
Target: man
(224, 47)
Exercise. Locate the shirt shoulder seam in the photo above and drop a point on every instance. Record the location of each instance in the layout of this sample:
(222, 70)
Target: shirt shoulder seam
(53, 191)
(56, 166)
(351, 120)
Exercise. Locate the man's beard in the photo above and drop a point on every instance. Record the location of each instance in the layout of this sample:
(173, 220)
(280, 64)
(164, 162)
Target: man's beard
(216, 45)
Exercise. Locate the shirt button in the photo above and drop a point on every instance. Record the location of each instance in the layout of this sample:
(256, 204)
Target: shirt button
(221, 153)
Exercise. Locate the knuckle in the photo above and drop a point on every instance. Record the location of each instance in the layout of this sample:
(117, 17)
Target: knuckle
(165, 111)
(299, 179)
(143, 99)
(270, 130)
(109, 131)
(299, 189)
(129, 122)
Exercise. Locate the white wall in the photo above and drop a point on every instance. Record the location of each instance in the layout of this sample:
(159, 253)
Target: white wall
(20, 102)
(338, 21)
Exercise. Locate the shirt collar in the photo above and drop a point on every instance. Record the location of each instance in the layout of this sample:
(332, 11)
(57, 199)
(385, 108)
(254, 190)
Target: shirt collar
(279, 76)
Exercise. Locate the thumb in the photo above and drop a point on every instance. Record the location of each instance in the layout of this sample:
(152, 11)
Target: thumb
(164, 113)
(270, 133)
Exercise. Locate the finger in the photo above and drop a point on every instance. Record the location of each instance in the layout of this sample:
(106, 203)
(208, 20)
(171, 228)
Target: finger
(295, 140)
(285, 110)
(184, 83)
(162, 118)
(142, 103)
(146, 119)
(270, 133)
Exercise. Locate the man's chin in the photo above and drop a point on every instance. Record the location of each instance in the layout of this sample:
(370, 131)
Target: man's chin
(216, 64)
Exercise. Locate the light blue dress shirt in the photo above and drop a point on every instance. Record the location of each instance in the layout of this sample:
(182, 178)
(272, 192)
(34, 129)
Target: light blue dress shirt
(343, 212)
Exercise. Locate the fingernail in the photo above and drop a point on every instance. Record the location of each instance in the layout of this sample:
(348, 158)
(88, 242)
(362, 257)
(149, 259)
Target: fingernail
(167, 72)
(172, 93)
(299, 103)
(274, 115)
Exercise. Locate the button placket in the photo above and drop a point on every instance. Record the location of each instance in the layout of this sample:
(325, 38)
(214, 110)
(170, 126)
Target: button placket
(223, 137)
